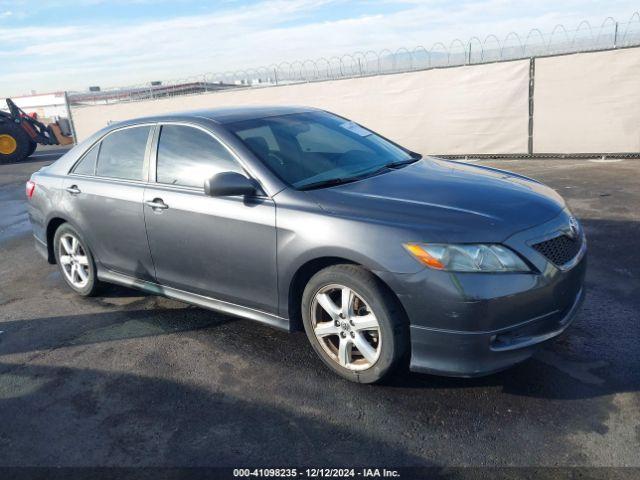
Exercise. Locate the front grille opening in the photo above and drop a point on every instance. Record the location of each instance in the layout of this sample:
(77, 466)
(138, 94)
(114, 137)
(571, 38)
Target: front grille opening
(559, 250)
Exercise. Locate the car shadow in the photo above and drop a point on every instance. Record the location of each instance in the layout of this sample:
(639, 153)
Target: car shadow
(117, 291)
(89, 417)
(21, 336)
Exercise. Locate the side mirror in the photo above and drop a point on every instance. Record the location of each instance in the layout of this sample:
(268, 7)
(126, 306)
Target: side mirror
(228, 184)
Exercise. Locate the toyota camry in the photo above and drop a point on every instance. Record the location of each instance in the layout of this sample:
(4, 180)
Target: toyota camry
(302, 219)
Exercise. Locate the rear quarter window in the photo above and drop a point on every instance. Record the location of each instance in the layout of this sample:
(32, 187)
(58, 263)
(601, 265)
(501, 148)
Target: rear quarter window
(87, 165)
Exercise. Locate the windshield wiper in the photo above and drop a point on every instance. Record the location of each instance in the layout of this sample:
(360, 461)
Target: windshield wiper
(402, 163)
(386, 167)
(372, 173)
(327, 183)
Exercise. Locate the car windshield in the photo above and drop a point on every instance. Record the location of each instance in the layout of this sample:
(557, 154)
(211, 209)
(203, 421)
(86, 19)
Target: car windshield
(317, 149)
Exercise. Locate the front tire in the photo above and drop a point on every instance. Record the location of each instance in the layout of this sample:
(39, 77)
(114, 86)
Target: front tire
(354, 323)
(75, 261)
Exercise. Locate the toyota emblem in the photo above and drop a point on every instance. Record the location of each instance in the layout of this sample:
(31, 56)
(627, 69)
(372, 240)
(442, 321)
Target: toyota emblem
(573, 226)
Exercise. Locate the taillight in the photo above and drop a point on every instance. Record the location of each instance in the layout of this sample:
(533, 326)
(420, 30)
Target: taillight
(31, 187)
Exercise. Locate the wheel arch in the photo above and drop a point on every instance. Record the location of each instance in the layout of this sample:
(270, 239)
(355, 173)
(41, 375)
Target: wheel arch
(307, 270)
(53, 222)
(52, 225)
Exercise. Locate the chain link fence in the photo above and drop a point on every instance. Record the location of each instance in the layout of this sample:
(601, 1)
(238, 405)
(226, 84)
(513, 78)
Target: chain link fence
(610, 34)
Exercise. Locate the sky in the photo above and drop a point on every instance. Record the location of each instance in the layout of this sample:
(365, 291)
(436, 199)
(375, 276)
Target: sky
(54, 45)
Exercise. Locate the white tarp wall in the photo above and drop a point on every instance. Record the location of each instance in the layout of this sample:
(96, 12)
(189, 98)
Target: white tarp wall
(588, 103)
(470, 109)
(583, 103)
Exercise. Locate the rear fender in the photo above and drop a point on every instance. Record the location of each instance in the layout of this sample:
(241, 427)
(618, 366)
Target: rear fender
(54, 220)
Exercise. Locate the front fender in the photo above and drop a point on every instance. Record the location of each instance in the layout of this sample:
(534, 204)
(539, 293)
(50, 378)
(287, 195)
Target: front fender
(307, 234)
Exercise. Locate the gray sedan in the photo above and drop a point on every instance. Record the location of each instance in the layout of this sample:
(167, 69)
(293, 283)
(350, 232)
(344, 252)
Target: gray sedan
(299, 218)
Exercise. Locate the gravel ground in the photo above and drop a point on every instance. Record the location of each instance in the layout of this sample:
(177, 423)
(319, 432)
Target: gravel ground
(136, 380)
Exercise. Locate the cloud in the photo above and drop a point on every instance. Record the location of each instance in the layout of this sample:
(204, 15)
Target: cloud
(109, 52)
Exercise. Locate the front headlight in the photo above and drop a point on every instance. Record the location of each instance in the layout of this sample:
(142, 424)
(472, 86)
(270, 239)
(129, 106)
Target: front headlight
(467, 257)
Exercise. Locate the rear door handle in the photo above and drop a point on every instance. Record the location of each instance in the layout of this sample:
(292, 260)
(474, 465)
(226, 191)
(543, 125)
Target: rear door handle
(73, 190)
(157, 204)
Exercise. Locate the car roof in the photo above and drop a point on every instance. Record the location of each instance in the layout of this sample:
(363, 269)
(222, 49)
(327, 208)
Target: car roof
(224, 115)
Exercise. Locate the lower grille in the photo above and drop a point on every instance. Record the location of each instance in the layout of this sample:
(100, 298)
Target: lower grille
(560, 250)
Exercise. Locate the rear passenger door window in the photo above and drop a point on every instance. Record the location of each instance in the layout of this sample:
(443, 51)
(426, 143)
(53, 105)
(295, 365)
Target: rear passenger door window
(188, 156)
(87, 166)
(122, 154)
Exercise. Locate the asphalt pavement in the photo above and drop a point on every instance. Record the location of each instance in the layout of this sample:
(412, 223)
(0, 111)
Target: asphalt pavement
(137, 380)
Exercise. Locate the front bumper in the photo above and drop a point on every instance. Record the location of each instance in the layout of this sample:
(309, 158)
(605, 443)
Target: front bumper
(464, 354)
(473, 324)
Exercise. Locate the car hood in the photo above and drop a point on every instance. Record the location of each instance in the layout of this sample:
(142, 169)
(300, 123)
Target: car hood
(448, 201)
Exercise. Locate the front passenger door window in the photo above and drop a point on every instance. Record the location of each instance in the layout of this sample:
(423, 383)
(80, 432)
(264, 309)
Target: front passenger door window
(188, 156)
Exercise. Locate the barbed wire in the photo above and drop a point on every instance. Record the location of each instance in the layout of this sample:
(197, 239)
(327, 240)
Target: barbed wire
(611, 34)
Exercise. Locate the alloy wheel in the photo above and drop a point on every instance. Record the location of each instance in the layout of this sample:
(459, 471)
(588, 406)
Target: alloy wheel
(74, 261)
(346, 327)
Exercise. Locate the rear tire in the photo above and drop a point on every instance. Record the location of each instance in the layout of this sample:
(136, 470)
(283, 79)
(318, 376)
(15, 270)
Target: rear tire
(366, 340)
(15, 144)
(75, 261)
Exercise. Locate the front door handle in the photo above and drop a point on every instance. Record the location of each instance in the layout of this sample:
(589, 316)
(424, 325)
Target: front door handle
(73, 190)
(157, 204)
